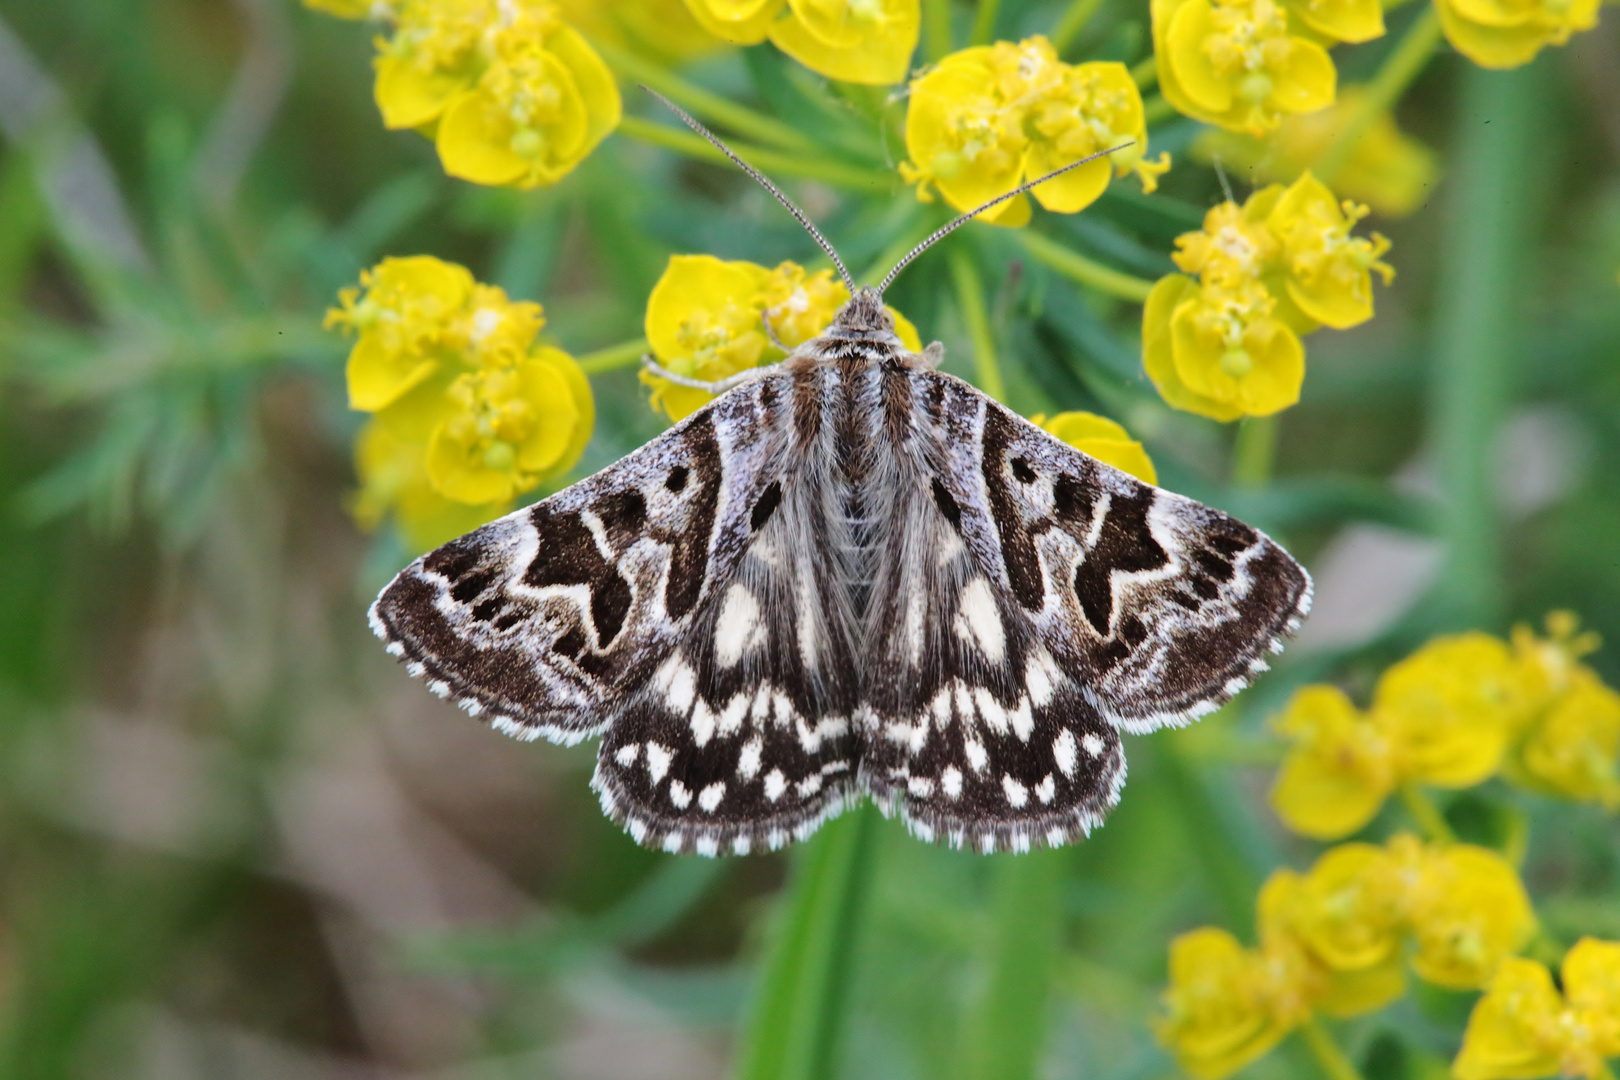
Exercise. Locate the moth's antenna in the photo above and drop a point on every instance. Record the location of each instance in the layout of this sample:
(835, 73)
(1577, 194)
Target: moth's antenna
(945, 230)
(799, 215)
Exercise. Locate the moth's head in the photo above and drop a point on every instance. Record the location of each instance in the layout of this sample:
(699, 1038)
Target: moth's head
(863, 316)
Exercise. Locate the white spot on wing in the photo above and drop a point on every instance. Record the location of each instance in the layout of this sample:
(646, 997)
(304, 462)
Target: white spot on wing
(730, 721)
(682, 689)
(702, 723)
(976, 756)
(626, 755)
(1017, 794)
(1093, 745)
(738, 628)
(658, 759)
(989, 708)
(1046, 790)
(1066, 752)
(950, 780)
(1038, 681)
(1022, 720)
(775, 784)
(977, 620)
(710, 797)
(920, 786)
(678, 794)
(748, 760)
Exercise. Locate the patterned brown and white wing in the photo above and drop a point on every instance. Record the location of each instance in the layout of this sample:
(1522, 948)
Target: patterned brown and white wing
(659, 604)
(1034, 601)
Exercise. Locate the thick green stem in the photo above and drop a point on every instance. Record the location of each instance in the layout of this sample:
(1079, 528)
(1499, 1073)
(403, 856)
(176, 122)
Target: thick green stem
(775, 162)
(1255, 451)
(1327, 1052)
(1400, 67)
(1427, 815)
(1007, 1030)
(622, 355)
(1073, 22)
(704, 104)
(1077, 267)
(970, 298)
(984, 22)
(936, 29)
(1146, 74)
(1484, 255)
(796, 1028)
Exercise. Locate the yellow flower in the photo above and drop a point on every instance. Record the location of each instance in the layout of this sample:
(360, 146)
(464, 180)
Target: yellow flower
(535, 112)
(1228, 346)
(986, 119)
(1386, 169)
(1103, 439)
(1341, 20)
(860, 41)
(351, 9)
(1226, 1005)
(1507, 33)
(1329, 271)
(406, 318)
(1340, 769)
(1571, 744)
(433, 55)
(1468, 911)
(706, 320)
(511, 95)
(1452, 706)
(1235, 64)
(661, 29)
(394, 480)
(510, 428)
(1343, 917)
(1523, 1028)
(1235, 246)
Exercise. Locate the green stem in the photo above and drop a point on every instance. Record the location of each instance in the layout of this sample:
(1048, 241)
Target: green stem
(1483, 259)
(1156, 110)
(970, 298)
(763, 159)
(1074, 20)
(984, 22)
(1335, 1063)
(622, 355)
(1426, 814)
(1077, 267)
(1400, 67)
(797, 1024)
(1146, 74)
(936, 29)
(1254, 452)
(704, 104)
(1007, 1029)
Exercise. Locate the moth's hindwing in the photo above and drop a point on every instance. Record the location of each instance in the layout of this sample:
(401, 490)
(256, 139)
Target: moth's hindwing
(656, 603)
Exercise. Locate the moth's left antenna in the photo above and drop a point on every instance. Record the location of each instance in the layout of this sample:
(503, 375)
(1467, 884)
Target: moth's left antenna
(799, 215)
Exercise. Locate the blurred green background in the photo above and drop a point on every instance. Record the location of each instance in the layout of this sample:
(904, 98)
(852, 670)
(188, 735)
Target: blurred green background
(235, 839)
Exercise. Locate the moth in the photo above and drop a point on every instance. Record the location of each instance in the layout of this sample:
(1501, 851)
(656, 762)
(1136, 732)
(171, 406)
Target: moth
(849, 576)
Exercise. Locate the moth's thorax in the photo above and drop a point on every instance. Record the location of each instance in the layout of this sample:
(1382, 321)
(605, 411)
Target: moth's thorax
(862, 319)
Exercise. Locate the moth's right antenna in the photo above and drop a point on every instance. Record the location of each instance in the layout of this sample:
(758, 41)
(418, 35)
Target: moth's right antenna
(945, 230)
(799, 215)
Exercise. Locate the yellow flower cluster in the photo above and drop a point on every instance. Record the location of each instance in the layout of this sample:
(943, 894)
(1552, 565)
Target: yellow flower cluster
(1281, 265)
(1457, 711)
(986, 119)
(469, 412)
(510, 94)
(1524, 1028)
(1508, 33)
(1386, 169)
(1245, 64)
(1103, 439)
(709, 319)
(859, 41)
(1332, 942)
(663, 30)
